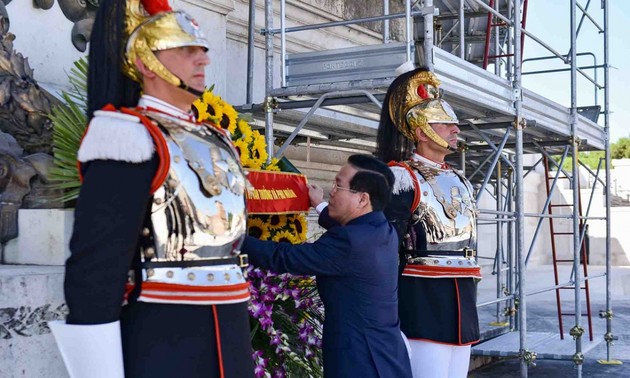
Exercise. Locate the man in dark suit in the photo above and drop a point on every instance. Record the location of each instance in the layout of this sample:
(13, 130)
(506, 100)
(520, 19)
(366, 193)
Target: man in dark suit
(356, 265)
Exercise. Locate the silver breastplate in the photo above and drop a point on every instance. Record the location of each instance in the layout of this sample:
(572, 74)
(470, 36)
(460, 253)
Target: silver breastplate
(199, 212)
(447, 210)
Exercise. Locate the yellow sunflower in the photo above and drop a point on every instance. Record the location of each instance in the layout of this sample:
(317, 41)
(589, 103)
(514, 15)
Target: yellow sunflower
(258, 149)
(202, 109)
(243, 149)
(228, 120)
(208, 96)
(297, 223)
(260, 144)
(276, 221)
(256, 227)
(214, 110)
(245, 130)
(285, 237)
(272, 166)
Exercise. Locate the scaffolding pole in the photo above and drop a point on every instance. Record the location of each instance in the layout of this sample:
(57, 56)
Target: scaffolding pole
(608, 337)
(462, 42)
(428, 33)
(499, 258)
(577, 331)
(250, 52)
(511, 250)
(519, 123)
(269, 101)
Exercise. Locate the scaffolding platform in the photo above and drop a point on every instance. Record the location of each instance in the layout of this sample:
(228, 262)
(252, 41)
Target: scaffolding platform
(483, 101)
(481, 97)
(547, 345)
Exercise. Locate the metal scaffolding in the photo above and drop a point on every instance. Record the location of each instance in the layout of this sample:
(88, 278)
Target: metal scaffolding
(342, 90)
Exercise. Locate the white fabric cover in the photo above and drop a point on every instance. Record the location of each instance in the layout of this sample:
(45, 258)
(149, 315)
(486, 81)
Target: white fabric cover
(90, 351)
(436, 360)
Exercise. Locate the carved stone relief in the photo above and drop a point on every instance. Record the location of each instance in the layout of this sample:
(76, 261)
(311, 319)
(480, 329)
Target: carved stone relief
(27, 321)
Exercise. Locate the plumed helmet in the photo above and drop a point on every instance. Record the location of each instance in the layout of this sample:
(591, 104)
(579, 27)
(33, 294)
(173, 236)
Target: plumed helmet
(416, 103)
(152, 26)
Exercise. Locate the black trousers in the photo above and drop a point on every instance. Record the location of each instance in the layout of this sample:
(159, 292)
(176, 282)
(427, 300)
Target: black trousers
(439, 309)
(169, 340)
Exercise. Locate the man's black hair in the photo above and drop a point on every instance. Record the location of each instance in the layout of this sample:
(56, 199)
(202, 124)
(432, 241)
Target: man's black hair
(106, 82)
(373, 177)
(391, 144)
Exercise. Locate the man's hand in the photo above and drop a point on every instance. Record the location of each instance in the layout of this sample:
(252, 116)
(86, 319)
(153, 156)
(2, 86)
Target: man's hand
(315, 194)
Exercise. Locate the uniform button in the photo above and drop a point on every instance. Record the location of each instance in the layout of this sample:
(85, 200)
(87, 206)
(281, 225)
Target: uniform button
(146, 231)
(210, 277)
(191, 276)
(170, 274)
(149, 252)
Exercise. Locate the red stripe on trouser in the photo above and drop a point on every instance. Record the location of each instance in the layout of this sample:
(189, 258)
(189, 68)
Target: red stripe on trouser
(218, 333)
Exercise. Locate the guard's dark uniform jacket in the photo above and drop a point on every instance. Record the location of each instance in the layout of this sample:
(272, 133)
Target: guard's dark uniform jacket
(158, 224)
(434, 214)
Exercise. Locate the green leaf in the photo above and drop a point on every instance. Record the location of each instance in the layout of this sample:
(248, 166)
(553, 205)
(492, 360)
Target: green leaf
(69, 122)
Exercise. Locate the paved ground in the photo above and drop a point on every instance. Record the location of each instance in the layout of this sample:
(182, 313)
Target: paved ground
(552, 369)
(542, 318)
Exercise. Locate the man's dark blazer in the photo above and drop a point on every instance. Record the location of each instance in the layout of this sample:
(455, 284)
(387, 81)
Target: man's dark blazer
(357, 277)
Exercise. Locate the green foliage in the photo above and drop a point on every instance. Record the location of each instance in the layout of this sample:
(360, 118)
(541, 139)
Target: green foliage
(69, 123)
(588, 158)
(591, 159)
(620, 149)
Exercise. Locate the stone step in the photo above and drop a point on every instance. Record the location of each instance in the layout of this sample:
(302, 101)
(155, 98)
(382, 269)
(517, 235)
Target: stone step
(30, 296)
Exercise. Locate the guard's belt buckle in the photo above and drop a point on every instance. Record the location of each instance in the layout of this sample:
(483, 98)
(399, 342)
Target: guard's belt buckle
(469, 253)
(243, 261)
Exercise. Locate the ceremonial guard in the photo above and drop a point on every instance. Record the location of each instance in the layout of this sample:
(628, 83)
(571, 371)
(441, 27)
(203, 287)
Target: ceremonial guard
(154, 284)
(433, 210)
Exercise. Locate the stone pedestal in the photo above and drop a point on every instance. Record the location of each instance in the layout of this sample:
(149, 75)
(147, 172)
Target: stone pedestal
(43, 237)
